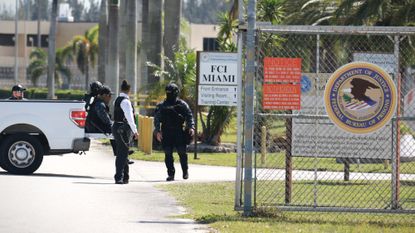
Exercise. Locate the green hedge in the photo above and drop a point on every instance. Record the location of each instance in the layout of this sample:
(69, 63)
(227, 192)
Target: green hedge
(41, 93)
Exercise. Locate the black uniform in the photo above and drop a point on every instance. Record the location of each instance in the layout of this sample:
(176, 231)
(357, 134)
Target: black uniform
(98, 119)
(170, 116)
(122, 135)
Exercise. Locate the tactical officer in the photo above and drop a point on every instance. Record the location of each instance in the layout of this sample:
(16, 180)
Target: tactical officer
(123, 129)
(94, 90)
(173, 125)
(17, 92)
(99, 119)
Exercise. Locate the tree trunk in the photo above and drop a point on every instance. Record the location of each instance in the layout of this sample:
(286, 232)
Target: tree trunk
(131, 45)
(86, 75)
(154, 37)
(39, 38)
(139, 40)
(172, 15)
(113, 64)
(103, 41)
(52, 50)
(144, 43)
(122, 40)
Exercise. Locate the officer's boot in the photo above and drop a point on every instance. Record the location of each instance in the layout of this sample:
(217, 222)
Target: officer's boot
(185, 174)
(170, 176)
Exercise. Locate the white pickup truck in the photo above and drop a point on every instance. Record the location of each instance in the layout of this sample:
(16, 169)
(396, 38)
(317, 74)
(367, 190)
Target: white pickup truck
(33, 128)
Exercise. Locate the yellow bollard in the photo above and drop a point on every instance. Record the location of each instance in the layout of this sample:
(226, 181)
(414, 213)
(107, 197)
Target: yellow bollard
(141, 136)
(145, 142)
(263, 144)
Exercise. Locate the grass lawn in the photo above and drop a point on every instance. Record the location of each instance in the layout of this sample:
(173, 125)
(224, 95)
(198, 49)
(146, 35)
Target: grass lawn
(217, 159)
(348, 194)
(277, 160)
(212, 203)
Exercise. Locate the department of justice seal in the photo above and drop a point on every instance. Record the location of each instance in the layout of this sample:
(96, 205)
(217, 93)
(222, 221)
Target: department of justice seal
(360, 97)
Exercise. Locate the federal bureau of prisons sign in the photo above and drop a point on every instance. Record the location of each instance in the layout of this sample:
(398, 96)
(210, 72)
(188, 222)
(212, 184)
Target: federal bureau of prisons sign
(360, 97)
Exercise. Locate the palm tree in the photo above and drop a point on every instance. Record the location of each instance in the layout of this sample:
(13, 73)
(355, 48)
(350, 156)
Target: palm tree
(131, 45)
(270, 11)
(379, 13)
(111, 77)
(122, 38)
(181, 70)
(102, 41)
(172, 15)
(311, 12)
(51, 50)
(153, 42)
(38, 65)
(85, 50)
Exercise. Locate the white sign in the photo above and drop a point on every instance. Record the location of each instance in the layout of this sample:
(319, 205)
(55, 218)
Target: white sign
(218, 81)
(218, 95)
(218, 68)
(321, 138)
(386, 61)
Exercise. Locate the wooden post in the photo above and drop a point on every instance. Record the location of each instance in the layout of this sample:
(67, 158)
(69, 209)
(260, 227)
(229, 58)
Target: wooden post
(288, 162)
(346, 170)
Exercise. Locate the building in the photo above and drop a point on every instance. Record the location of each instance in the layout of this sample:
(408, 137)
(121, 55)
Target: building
(201, 37)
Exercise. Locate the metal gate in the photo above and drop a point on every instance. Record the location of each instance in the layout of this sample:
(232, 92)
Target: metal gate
(302, 161)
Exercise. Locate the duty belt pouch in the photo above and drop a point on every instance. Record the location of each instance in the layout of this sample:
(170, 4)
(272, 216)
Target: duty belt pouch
(124, 132)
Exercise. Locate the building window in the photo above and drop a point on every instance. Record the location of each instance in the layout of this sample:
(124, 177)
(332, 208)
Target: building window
(6, 72)
(6, 39)
(210, 44)
(32, 40)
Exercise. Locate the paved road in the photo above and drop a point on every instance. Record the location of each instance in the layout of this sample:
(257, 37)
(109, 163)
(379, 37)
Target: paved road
(76, 194)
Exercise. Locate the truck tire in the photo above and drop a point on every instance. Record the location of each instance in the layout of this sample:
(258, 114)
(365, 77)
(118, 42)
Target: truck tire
(21, 154)
(1, 165)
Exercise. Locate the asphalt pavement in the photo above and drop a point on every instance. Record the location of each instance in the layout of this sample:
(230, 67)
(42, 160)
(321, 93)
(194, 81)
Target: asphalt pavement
(76, 194)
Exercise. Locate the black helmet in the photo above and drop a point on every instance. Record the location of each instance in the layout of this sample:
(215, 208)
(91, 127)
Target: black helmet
(95, 87)
(105, 90)
(18, 87)
(172, 88)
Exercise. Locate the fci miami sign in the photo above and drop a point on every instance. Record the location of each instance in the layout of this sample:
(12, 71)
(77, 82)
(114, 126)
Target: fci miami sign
(217, 79)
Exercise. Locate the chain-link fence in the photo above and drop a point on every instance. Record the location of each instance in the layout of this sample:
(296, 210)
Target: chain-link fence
(304, 162)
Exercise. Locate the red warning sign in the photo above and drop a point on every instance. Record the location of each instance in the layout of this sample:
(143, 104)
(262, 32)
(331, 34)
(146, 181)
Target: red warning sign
(281, 96)
(282, 69)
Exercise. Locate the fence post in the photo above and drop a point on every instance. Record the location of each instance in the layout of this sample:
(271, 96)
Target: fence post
(249, 107)
(238, 178)
(346, 170)
(263, 144)
(288, 162)
(396, 160)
